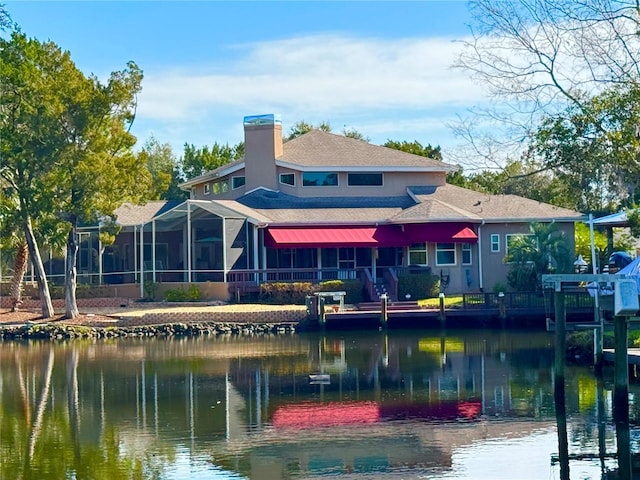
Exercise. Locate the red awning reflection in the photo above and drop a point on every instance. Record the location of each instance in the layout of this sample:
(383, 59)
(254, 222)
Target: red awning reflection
(310, 415)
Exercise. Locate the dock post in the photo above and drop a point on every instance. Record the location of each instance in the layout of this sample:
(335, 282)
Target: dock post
(558, 385)
(321, 302)
(502, 308)
(621, 397)
(384, 316)
(442, 315)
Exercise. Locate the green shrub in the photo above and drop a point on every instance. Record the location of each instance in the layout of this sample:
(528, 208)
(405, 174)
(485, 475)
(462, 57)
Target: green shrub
(281, 293)
(352, 288)
(500, 287)
(420, 285)
(151, 290)
(580, 346)
(191, 294)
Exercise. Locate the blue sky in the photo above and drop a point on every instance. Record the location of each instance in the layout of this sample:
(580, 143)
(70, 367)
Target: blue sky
(382, 68)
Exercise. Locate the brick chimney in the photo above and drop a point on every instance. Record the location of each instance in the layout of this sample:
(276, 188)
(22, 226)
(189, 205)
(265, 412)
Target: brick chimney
(262, 145)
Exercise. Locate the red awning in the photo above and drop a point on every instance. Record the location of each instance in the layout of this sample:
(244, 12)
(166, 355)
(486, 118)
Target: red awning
(440, 232)
(338, 236)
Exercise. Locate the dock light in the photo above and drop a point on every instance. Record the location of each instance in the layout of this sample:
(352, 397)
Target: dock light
(408, 296)
(580, 265)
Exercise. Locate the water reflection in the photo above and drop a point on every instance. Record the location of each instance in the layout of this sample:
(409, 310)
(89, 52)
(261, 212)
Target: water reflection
(398, 405)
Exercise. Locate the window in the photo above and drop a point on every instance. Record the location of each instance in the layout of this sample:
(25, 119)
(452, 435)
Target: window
(319, 179)
(207, 188)
(288, 178)
(445, 253)
(466, 254)
(495, 243)
(364, 179)
(418, 254)
(237, 182)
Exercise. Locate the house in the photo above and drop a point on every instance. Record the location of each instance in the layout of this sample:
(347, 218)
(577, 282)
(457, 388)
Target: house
(323, 206)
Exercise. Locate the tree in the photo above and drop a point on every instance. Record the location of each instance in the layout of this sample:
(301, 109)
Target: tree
(545, 250)
(197, 161)
(65, 146)
(539, 58)
(355, 134)
(595, 149)
(416, 148)
(301, 127)
(163, 167)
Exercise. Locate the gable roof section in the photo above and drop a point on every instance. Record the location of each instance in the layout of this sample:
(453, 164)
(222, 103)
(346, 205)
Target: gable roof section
(492, 208)
(318, 149)
(280, 208)
(219, 172)
(129, 214)
(435, 211)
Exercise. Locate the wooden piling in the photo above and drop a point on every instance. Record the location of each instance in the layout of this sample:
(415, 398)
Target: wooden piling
(384, 315)
(558, 386)
(621, 398)
(322, 314)
(442, 314)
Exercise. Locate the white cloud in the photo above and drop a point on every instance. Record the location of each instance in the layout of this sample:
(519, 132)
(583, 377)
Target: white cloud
(316, 78)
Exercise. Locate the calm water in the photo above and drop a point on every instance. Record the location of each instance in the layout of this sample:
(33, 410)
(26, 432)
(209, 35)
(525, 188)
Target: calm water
(401, 405)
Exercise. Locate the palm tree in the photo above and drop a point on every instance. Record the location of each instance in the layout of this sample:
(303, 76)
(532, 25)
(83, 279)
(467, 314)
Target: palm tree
(544, 250)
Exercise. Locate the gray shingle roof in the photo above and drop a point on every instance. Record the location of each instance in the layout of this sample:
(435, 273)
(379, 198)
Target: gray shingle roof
(129, 214)
(487, 207)
(268, 199)
(322, 149)
(435, 204)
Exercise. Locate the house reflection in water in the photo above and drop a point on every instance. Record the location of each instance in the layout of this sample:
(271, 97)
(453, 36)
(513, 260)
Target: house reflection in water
(396, 402)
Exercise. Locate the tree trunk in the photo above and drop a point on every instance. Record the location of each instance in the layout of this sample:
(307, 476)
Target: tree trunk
(19, 270)
(38, 267)
(70, 277)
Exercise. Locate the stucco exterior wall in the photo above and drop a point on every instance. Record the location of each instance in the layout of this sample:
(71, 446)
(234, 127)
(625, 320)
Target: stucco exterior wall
(394, 184)
(494, 268)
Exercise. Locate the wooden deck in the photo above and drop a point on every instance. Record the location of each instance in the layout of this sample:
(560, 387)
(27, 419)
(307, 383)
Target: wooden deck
(633, 355)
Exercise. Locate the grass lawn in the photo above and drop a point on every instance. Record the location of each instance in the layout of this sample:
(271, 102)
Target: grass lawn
(452, 301)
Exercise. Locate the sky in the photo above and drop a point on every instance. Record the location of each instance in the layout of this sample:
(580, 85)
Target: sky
(382, 68)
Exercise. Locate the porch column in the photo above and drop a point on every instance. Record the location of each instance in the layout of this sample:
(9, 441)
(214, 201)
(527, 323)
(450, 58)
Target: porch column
(100, 252)
(224, 249)
(141, 246)
(188, 241)
(374, 259)
(264, 255)
(256, 256)
(153, 249)
(319, 261)
(480, 281)
(135, 253)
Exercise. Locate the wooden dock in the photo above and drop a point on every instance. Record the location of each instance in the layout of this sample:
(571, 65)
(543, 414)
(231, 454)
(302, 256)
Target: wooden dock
(412, 316)
(633, 355)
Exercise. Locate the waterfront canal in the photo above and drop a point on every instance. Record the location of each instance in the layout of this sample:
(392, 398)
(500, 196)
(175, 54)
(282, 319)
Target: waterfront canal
(400, 404)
